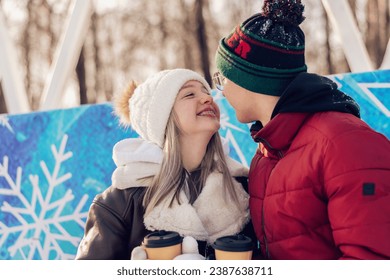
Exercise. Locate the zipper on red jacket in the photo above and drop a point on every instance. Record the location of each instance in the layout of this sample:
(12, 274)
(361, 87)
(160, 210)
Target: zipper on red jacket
(280, 155)
(267, 254)
(266, 143)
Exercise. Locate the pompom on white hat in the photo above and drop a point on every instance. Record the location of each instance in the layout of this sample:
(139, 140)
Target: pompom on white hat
(152, 102)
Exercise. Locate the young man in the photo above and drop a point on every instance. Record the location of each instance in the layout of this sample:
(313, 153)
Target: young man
(320, 179)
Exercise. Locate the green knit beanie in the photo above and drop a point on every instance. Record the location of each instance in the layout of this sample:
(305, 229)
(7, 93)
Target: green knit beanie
(267, 50)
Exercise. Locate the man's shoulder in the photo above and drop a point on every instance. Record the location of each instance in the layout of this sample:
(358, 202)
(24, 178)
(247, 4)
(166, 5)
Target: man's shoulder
(332, 125)
(345, 136)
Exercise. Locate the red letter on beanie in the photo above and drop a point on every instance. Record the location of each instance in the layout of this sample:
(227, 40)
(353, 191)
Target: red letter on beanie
(243, 49)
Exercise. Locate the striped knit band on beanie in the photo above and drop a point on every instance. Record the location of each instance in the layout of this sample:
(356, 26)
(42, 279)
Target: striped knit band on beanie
(153, 100)
(266, 51)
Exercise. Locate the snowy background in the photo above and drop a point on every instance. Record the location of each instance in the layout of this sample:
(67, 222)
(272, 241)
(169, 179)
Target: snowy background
(53, 163)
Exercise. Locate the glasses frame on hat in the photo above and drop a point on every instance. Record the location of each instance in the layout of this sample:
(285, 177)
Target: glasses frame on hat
(219, 80)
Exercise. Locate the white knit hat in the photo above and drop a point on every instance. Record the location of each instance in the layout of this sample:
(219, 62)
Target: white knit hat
(152, 102)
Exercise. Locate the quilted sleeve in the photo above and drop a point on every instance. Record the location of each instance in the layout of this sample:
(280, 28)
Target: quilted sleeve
(114, 226)
(357, 184)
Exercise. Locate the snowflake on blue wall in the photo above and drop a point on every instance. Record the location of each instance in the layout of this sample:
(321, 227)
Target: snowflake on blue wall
(35, 220)
(4, 122)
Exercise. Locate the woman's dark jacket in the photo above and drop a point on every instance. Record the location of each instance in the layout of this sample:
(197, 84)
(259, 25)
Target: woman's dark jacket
(115, 225)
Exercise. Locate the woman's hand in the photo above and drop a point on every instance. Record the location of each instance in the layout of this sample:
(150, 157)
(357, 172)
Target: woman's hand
(189, 251)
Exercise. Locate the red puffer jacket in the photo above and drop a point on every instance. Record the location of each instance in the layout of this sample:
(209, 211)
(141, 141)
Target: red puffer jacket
(320, 188)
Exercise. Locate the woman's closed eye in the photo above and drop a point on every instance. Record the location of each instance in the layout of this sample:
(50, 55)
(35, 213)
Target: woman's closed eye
(190, 94)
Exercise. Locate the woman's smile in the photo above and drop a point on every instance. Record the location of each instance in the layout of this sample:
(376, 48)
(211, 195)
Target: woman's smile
(209, 111)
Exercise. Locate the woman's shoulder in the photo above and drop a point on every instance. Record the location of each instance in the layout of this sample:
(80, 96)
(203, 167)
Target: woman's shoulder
(117, 193)
(237, 169)
(118, 200)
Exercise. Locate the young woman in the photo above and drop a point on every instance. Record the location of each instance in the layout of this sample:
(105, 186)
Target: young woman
(175, 177)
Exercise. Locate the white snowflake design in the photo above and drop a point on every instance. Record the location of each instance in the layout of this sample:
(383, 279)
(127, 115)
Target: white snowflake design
(4, 122)
(41, 219)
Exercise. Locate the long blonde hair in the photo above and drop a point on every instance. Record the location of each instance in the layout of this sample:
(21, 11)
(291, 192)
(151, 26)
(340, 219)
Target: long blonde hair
(173, 178)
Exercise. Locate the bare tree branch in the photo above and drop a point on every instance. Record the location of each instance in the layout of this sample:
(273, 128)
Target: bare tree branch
(202, 39)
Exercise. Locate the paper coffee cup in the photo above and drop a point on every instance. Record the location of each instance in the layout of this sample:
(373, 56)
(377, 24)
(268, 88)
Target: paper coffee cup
(233, 247)
(162, 245)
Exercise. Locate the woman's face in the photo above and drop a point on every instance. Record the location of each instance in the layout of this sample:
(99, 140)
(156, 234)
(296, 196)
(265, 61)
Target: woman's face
(196, 111)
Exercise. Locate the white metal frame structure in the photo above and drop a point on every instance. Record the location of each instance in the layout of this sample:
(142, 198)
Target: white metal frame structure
(70, 45)
(354, 48)
(65, 61)
(67, 54)
(341, 16)
(10, 77)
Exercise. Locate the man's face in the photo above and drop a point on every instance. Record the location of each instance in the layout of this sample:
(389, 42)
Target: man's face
(240, 99)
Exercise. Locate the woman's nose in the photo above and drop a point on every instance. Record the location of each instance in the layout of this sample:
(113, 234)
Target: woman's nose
(206, 99)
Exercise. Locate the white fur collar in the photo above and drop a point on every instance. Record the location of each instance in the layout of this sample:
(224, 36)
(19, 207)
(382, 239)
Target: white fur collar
(208, 218)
